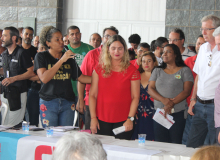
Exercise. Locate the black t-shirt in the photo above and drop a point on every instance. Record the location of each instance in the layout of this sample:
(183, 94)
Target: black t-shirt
(18, 62)
(32, 51)
(60, 85)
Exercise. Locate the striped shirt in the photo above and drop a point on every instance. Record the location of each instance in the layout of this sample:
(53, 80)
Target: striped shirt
(187, 53)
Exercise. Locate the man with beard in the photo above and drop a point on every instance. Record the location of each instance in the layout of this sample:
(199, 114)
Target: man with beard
(27, 36)
(33, 86)
(79, 48)
(17, 67)
(89, 63)
(159, 45)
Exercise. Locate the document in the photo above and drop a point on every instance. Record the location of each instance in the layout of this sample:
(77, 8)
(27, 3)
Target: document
(159, 118)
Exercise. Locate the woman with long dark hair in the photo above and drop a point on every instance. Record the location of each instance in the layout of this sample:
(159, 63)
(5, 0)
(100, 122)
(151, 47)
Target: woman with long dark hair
(170, 85)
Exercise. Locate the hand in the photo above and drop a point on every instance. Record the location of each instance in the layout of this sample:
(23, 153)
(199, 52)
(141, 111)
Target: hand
(168, 102)
(191, 105)
(68, 54)
(128, 125)
(80, 106)
(8, 81)
(219, 137)
(168, 105)
(94, 125)
(167, 110)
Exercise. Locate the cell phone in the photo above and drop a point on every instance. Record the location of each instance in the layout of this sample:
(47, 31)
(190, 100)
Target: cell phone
(37, 129)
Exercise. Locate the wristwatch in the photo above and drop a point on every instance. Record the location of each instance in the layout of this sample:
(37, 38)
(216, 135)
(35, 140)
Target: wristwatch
(131, 118)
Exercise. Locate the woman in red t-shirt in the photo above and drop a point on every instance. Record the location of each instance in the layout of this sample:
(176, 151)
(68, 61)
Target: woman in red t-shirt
(115, 91)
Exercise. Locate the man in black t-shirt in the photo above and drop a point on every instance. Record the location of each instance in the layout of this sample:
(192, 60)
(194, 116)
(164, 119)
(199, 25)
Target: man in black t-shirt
(17, 67)
(32, 111)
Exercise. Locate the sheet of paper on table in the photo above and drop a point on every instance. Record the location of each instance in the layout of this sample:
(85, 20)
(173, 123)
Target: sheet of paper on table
(64, 128)
(4, 127)
(159, 118)
(128, 153)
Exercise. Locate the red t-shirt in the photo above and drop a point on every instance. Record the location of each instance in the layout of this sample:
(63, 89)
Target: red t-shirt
(134, 62)
(190, 62)
(114, 94)
(89, 63)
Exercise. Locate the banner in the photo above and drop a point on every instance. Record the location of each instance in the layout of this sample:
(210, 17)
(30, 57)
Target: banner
(8, 145)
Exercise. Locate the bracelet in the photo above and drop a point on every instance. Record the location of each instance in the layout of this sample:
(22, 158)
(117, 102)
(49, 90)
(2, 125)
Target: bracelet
(192, 99)
(93, 117)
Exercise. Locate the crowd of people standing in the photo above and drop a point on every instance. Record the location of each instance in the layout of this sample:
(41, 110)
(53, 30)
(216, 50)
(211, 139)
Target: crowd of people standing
(112, 85)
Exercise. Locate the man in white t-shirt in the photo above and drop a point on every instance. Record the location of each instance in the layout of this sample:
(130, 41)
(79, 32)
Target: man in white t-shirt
(208, 74)
(177, 37)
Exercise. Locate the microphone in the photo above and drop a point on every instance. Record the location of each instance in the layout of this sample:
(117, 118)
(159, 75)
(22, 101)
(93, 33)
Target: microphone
(66, 49)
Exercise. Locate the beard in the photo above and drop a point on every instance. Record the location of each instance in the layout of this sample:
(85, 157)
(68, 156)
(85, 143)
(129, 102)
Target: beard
(7, 43)
(27, 41)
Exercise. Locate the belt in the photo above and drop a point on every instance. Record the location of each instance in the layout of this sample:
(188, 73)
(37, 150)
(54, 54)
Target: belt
(205, 101)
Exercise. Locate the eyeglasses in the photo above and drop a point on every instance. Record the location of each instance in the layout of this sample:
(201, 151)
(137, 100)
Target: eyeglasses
(210, 60)
(173, 40)
(206, 29)
(107, 36)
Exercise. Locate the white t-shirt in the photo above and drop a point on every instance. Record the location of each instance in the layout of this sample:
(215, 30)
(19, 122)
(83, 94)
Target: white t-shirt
(187, 53)
(208, 75)
(159, 60)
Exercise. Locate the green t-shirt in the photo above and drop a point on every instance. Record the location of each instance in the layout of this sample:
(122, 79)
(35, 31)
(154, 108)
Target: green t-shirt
(80, 54)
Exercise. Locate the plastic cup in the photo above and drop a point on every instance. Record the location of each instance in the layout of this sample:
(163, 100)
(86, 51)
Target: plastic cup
(25, 126)
(49, 131)
(141, 139)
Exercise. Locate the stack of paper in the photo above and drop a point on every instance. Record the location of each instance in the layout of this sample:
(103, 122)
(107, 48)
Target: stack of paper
(159, 118)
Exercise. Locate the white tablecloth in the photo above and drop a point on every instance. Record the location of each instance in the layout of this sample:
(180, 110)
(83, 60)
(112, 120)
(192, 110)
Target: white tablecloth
(39, 145)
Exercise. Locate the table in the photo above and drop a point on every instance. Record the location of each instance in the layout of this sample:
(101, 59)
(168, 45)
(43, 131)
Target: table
(36, 146)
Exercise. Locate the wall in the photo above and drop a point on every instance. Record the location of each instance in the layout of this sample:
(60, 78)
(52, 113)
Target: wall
(144, 17)
(47, 12)
(187, 15)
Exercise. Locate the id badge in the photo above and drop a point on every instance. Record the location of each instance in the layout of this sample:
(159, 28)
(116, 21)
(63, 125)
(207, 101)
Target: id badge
(7, 74)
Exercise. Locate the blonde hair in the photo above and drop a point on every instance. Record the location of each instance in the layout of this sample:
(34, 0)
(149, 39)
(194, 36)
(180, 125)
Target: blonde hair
(207, 153)
(105, 57)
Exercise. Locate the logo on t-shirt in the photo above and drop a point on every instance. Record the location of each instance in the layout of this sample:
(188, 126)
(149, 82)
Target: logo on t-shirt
(178, 76)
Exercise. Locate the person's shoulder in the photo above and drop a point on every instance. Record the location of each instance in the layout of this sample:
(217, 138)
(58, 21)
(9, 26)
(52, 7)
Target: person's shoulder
(87, 45)
(33, 48)
(157, 69)
(132, 67)
(93, 51)
(190, 59)
(4, 52)
(186, 69)
(42, 54)
(133, 61)
(204, 47)
(191, 53)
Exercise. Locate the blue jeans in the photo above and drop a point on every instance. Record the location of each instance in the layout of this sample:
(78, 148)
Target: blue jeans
(187, 130)
(203, 126)
(33, 106)
(174, 134)
(57, 112)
